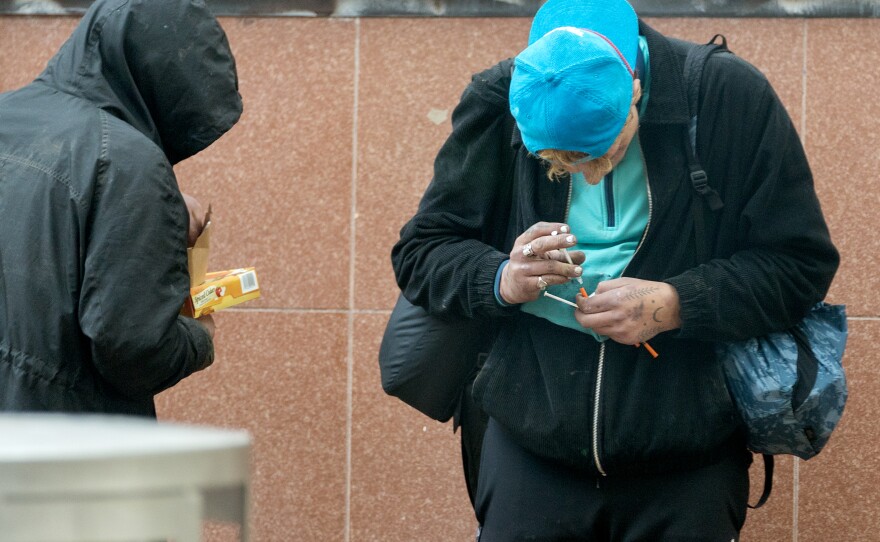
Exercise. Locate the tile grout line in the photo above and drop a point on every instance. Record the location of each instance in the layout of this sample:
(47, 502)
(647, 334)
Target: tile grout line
(796, 471)
(349, 384)
(386, 312)
(795, 497)
(284, 310)
(804, 87)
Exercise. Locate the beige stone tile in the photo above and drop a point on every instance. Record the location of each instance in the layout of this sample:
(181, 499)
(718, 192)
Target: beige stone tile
(774, 46)
(773, 521)
(280, 180)
(407, 480)
(281, 376)
(216, 531)
(27, 43)
(843, 134)
(839, 495)
(412, 73)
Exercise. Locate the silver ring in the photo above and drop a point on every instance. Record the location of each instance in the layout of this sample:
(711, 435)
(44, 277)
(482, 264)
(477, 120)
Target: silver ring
(542, 284)
(527, 251)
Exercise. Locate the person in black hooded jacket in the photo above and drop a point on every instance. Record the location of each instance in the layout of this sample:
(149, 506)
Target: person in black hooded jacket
(590, 437)
(93, 265)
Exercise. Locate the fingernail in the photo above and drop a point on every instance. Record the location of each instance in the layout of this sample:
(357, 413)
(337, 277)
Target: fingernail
(554, 232)
(569, 239)
(578, 270)
(564, 229)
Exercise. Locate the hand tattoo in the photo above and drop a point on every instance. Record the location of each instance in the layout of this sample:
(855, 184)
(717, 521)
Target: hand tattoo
(640, 292)
(656, 312)
(635, 313)
(648, 333)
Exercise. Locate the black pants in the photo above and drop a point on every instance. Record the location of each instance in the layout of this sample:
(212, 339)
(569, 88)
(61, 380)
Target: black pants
(523, 497)
(472, 421)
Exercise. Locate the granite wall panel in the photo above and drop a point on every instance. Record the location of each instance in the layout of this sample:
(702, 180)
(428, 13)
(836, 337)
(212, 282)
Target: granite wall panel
(412, 73)
(842, 138)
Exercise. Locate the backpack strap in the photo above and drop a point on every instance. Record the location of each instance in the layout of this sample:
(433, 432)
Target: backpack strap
(693, 74)
(768, 482)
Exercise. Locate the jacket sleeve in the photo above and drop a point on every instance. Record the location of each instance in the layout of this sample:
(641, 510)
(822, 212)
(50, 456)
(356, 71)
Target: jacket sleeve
(135, 277)
(444, 260)
(783, 259)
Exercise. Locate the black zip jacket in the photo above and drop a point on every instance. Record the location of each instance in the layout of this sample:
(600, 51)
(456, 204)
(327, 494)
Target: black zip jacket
(93, 267)
(610, 408)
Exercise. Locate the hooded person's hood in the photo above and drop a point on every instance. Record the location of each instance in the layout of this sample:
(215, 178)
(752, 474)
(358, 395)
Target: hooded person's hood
(163, 66)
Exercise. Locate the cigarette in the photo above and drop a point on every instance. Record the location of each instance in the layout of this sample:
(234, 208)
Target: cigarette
(557, 298)
(584, 292)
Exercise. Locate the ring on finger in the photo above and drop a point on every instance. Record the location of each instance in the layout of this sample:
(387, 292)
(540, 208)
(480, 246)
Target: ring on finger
(542, 284)
(527, 250)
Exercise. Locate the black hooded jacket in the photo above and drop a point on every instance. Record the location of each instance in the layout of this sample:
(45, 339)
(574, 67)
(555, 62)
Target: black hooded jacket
(93, 267)
(609, 408)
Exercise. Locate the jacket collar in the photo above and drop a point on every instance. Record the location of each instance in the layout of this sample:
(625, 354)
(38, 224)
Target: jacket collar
(668, 101)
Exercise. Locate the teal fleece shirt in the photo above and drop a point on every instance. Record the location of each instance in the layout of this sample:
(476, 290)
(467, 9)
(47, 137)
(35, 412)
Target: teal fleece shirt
(608, 220)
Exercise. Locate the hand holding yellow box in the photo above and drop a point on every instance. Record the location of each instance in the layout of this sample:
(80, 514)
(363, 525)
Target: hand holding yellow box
(211, 292)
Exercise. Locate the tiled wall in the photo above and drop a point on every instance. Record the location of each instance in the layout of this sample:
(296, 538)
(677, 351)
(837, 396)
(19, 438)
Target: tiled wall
(342, 120)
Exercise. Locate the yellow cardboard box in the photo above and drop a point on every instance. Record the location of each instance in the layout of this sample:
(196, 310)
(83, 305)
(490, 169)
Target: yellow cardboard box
(222, 289)
(211, 292)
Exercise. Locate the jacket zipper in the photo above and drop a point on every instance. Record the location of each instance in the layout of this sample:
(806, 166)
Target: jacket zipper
(568, 200)
(610, 221)
(599, 371)
(601, 368)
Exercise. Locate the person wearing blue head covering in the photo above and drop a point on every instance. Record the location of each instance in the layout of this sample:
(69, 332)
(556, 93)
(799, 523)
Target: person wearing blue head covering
(567, 174)
(93, 250)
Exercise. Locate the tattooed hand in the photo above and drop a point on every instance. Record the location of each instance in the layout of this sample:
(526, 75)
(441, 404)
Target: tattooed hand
(629, 310)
